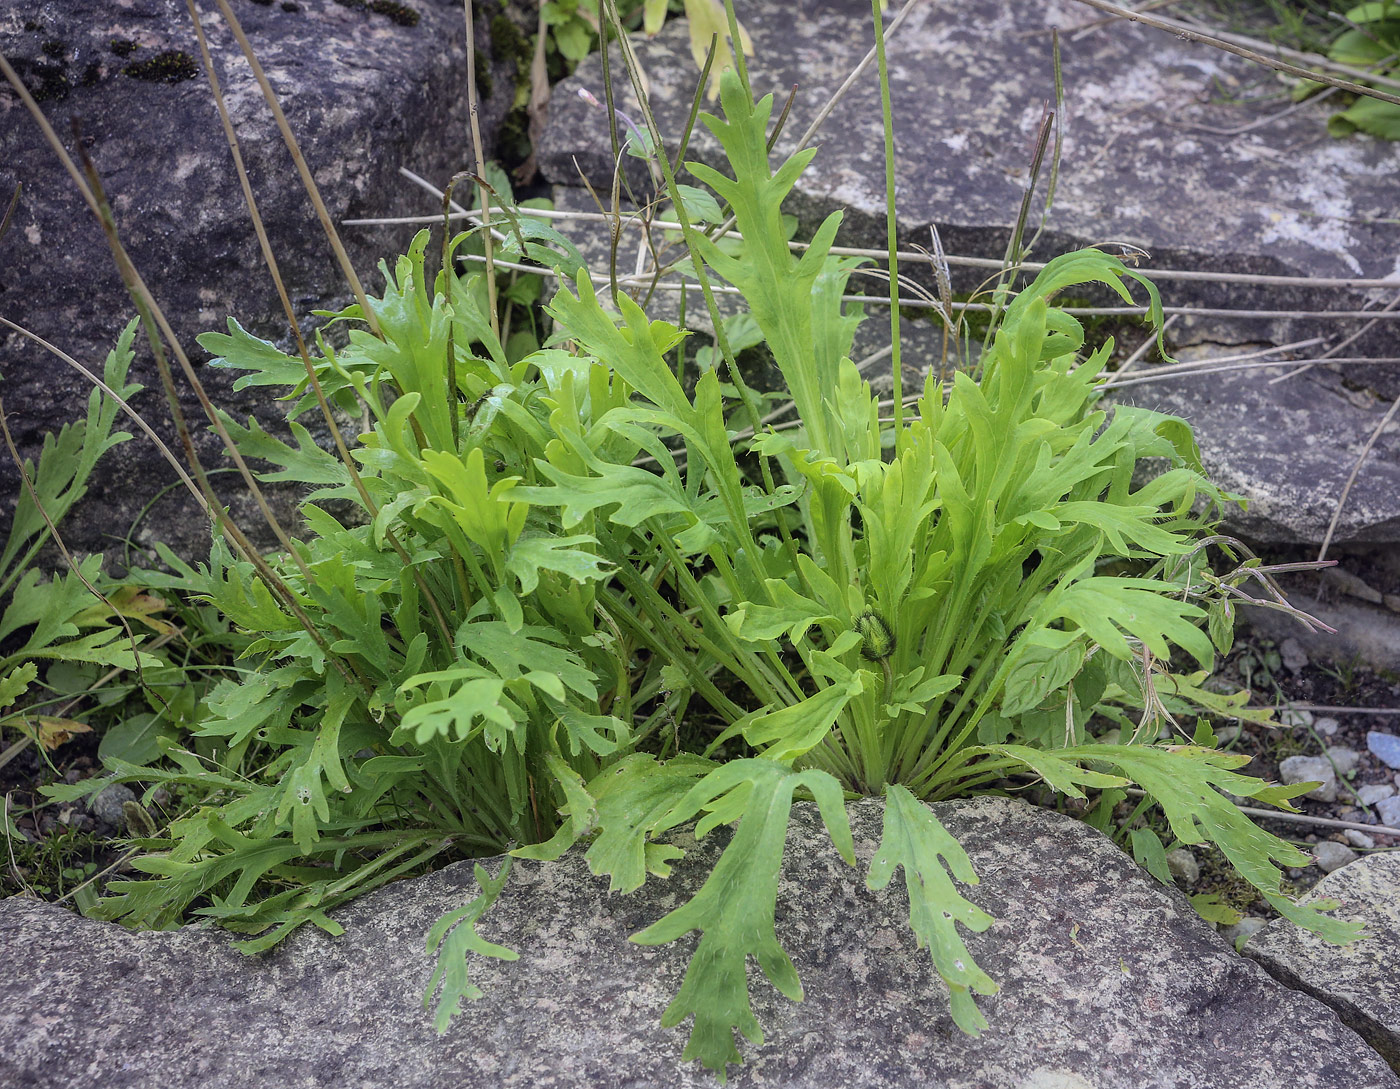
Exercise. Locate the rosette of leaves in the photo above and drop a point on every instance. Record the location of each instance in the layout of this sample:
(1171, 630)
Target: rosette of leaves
(560, 569)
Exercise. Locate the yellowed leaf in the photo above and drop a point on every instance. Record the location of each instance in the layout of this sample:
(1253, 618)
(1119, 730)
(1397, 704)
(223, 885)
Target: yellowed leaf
(131, 603)
(707, 18)
(53, 732)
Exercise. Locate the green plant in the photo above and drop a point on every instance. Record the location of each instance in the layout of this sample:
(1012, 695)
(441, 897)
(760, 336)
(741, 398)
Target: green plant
(1365, 37)
(493, 645)
(574, 27)
(1371, 41)
(80, 618)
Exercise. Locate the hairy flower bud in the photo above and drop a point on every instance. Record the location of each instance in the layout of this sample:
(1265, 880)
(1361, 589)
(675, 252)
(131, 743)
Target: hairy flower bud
(877, 636)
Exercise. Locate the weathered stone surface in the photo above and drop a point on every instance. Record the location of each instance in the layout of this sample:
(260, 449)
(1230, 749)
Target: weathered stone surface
(1359, 981)
(1107, 980)
(1136, 168)
(1362, 631)
(365, 91)
(1288, 449)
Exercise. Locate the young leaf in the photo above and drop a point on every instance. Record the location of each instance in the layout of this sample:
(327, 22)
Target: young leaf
(451, 970)
(786, 734)
(633, 797)
(914, 839)
(16, 682)
(1061, 773)
(1150, 854)
(1189, 784)
(734, 909)
(532, 554)
(1212, 909)
(582, 815)
(1047, 661)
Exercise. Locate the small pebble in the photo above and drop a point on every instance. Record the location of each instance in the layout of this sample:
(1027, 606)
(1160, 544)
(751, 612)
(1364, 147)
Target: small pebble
(1227, 734)
(1242, 931)
(1358, 838)
(1331, 855)
(1303, 769)
(1345, 759)
(1388, 810)
(1184, 868)
(1295, 658)
(1290, 716)
(1386, 748)
(1327, 726)
(1372, 793)
(107, 805)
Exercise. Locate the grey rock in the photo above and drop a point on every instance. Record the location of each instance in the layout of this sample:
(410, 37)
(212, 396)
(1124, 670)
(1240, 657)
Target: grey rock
(1114, 979)
(1384, 747)
(1331, 855)
(1372, 793)
(1363, 632)
(1344, 759)
(1296, 717)
(1327, 726)
(1185, 870)
(1358, 981)
(1388, 811)
(364, 94)
(1346, 582)
(1282, 198)
(1304, 769)
(107, 804)
(1293, 459)
(1358, 838)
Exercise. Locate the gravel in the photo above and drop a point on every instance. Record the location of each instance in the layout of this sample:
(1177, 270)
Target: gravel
(1386, 747)
(1304, 769)
(1331, 855)
(1372, 793)
(106, 806)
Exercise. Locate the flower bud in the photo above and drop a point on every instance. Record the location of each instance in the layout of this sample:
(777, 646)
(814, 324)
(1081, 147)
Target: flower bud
(876, 634)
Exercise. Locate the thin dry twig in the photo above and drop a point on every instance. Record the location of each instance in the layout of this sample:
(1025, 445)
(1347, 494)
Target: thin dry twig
(1320, 708)
(1230, 44)
(304, 171)
(1141, 350)
(1083, 30)
(1257, 123)
(1298, 818)
(1204, 367)
(919, 256)
(1352, 476)
(929, 303)
(1392, 305)
(472, 107)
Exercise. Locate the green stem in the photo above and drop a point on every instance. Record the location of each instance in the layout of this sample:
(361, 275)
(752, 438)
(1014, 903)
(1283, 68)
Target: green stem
(891, 226)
